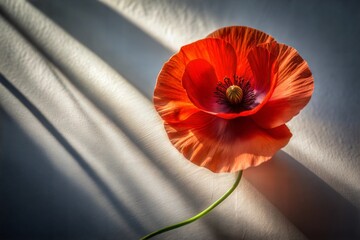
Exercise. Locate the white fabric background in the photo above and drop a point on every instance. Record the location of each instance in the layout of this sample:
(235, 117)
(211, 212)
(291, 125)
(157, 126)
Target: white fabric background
(84, 154)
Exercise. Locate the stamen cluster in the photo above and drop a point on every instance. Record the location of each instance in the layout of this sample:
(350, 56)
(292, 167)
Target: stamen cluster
(227, 93)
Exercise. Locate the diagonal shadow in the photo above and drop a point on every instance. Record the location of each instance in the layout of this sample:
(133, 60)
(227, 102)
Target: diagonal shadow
(106, 191)
(37, 201)
(308, 202)
(121, 44)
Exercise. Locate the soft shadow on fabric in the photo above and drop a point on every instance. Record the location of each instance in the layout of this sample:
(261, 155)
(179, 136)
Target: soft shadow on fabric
(308, 202)
(37, 201)
(106, 191)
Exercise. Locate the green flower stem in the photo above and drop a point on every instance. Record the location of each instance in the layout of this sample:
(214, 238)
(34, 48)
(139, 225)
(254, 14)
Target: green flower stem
(200, 215)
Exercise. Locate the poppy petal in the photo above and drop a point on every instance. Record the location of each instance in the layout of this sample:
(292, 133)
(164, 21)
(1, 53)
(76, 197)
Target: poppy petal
(225, 145)
(216, 52)
(200, 81)
(170, 98)
(243, 39)
(293, 89)
(262, 65)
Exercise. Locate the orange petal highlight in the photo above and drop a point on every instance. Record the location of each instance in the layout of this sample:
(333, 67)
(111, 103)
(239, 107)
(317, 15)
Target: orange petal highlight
(170, 98)
(226, 145)
(293, 89)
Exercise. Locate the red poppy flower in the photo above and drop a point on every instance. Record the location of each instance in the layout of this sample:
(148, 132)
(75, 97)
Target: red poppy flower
(225, 99)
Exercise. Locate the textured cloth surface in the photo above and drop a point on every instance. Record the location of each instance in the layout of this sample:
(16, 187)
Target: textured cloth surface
(83, 153)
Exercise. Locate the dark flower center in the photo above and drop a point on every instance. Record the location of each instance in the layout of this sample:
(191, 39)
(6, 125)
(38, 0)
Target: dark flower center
(238, 94)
